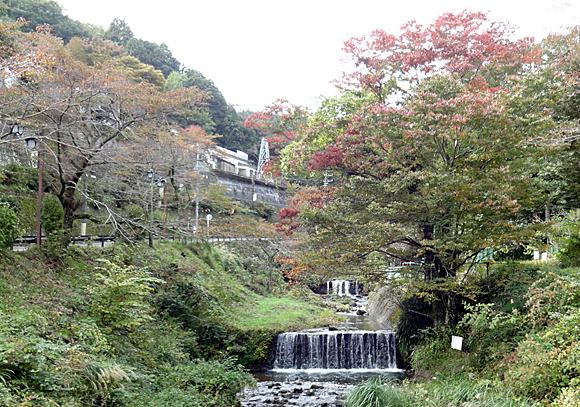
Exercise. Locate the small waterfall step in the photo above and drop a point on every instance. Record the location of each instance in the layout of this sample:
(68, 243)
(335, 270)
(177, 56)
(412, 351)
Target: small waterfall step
(336, 350)
(344, 288)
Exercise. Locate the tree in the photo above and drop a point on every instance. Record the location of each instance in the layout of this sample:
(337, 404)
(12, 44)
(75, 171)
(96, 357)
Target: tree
(41, 12)
(431, 163)
(281, 122)
(158, 56)
(98, 51)
(82, 114)
(119, 32)
(158, 174)
(219, 118)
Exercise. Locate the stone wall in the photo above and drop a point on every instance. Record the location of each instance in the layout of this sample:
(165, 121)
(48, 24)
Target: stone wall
(243, 189)
(382, 304)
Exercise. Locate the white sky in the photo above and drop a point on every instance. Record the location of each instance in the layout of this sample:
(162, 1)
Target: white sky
(256, 51)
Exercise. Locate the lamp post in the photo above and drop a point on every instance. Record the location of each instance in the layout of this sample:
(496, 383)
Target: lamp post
(162, 185)
(208, 218)
(34, 143)
(150, 209)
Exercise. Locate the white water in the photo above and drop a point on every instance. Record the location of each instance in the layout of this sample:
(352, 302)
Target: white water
(342, 288)
(336, 350)
(316, 368)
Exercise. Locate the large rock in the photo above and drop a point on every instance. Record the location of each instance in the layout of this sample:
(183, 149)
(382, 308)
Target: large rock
(383, 302)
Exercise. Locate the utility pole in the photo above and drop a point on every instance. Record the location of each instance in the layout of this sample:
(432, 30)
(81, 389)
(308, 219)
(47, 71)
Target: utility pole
(84, 207)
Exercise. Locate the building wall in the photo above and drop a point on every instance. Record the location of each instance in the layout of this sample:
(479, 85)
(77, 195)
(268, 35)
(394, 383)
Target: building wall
(241, 188)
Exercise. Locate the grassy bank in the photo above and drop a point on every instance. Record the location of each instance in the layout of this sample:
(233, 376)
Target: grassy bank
(126, 326)
(520, 347)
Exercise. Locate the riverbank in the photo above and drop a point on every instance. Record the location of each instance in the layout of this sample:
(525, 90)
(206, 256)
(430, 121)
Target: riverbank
(134, 326)
(519, 346)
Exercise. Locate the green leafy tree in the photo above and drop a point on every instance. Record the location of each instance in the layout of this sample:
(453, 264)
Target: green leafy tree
(8, 226)
(431, 165)
(119, 32)
(98, 51)
(52, 215)
(219, 118)
(40, 12)
(150, 53)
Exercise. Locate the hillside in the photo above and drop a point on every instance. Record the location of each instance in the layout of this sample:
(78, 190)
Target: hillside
(132, 326)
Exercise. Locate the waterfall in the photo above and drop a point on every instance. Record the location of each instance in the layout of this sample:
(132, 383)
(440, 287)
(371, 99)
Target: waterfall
(336, 350)
(343, 288)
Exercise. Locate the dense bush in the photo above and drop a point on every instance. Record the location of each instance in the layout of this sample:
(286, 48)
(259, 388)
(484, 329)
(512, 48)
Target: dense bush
(569, 240)
(52, 214)
(19, 177)
(8, 226)
(119, 295)
(547, 362)
(265, 211)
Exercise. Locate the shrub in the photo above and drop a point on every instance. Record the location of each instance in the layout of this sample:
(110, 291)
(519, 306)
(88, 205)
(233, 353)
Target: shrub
(19, 177)
(119, 297)
(8, 226)
(548, 362)
(265, 210)
(491, 333)
(434, 352)
(568, 398)
(216, 383)
(52, 214)
(569, 240)
(375, 394)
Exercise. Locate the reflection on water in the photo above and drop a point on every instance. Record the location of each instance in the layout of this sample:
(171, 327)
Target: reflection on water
(364, 323)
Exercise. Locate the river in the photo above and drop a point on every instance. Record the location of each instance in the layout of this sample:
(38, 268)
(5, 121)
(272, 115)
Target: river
(317, 367)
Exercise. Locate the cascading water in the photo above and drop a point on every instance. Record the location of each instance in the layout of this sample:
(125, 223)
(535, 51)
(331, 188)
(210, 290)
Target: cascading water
(356, 345)
(316, 368)
(336, 350)
(343, 288)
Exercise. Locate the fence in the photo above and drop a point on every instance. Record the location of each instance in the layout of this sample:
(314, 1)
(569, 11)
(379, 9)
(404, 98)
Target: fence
(86, 240)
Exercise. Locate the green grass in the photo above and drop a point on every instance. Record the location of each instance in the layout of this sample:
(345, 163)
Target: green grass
(56, 329)
(461, 390)
(285, 314)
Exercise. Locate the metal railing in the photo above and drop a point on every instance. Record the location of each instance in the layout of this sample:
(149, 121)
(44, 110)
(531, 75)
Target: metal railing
(94, 240)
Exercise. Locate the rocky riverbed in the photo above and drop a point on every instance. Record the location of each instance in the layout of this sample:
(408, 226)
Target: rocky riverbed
(296, 393)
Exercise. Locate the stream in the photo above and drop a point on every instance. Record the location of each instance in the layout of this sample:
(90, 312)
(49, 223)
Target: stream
(317, 367)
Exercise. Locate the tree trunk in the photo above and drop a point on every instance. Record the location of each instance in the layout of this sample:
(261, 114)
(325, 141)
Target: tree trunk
(69, 205)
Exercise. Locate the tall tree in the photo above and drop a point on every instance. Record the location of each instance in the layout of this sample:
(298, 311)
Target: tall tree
(150, 53)
(119, 32)
(431, 163)
(220, 118)
(81, 113)
(40, 12)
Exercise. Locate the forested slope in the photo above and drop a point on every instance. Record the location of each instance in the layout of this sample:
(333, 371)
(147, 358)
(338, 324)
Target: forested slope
(132, 326)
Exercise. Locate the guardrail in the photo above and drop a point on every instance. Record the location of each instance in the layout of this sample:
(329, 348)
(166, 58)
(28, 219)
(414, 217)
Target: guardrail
(26, 240)
(96, 241)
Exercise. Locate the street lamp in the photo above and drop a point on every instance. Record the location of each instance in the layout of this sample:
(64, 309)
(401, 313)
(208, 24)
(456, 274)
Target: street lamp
(208, 218)
(17, 130)
(34, 143)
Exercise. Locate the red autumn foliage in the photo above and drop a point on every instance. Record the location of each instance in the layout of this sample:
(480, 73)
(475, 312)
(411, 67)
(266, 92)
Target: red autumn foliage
(466, 44)
(333, 156)
(287, 217)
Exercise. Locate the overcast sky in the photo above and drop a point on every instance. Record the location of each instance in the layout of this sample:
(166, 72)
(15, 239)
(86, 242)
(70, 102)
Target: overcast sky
(256, 51)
